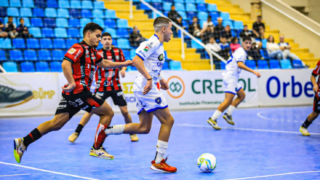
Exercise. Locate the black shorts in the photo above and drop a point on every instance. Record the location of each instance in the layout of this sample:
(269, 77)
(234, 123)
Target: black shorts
(117, 97)
(72, 104)
(316, 105)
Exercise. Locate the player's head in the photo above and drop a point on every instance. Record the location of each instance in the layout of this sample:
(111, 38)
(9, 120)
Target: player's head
(106, 40)
(92, 34)
(246, 43)
(163, 27)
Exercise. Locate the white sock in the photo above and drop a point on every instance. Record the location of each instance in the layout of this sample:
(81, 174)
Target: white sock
(161, 150)
(215, 115)
(115, 130)
(230, 110)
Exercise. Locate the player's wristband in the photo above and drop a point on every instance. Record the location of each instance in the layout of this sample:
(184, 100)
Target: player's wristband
(149, 79)
(160, 78)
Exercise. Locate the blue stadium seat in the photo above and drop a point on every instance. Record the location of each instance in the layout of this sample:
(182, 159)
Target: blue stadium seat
(264, 43)
(122, 33)
(175, 65)
(64, 4)
(40, 3)
(3, 12)
(222, 65)
(99, 21)
(49, 22)
(5, 43)
(62, 22)
(55, 66)
(238, 25)
(33, 43)
(16, 55)
(75, 23)
(123, 43)
(178, 1)
(86, 13)
(274, 64)
(4, 3)
(52, 4)
(60, 33)
(84, 22)
(196, 45)
(50, 12)
(10, 66)
(111, 31)
(100, 46)
(182, 14)
(190, 7)
(191, 14)
(189, 1)
(98, 5)
(13, 12)
(57, 55)
(285, 64)
(73, 33)
(110, 23)
(297, 64)
(98, 13)
(144, 7)
(158, 6)
(122, 23)
(157, 1)
(126, 54)
(42, 66)
(37, 12)
(30, 55)
(27, 67)
(87, 5)
(2, 54)
(75, 4)
(203, 16)
(18, 43)
(225, 23)
(179, 7)
(44, 55)
(25, 12)
(263, 64)
(225, 16)
(166, 6)
(26, 22)
(47, 32)
(46, 43)
(28, 3)
(201, 7)
(212, 7)
(75, 13)
(110, 14)
(132, 53)
(63, 13)
(200, 1)
(59, 44)
(15, 3)
(165, 66)
(71, 42)
(251, 64)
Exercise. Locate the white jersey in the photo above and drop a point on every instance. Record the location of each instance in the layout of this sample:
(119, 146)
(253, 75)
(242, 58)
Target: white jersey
(152, 54)
(232, 68)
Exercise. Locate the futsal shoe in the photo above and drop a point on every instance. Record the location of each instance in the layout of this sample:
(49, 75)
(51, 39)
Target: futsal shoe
(72, 138)
(18, 149)
(100, 153)
(10, 97)
(228, 118)
(163, 167)
(304, 131)
(134, 138)
(214, 124)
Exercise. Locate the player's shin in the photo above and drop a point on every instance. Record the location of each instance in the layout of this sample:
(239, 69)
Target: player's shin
(161, 150)
(31, 137)
(230, 110)
(100, 136)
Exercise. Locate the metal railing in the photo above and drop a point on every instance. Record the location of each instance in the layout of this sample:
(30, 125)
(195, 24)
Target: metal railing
(183, 33)
(2, 69)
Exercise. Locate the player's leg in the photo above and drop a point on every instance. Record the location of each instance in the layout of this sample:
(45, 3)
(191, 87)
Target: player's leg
(240, 97)
(84, 120)
(128, 119)
(310, 118)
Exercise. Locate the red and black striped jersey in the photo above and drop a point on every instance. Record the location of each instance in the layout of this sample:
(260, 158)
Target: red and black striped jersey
(108, 78)
(84, 59)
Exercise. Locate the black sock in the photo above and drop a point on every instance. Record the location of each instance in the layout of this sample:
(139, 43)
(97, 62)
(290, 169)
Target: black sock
(79, 128)
(306, 123)
(31, 137)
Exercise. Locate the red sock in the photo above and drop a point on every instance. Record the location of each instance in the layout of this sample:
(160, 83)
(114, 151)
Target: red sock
(100, 136)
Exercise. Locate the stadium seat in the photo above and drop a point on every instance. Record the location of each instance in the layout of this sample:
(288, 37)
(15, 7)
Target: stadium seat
(251, 64)
(87, 5)
(63, 4)
(122, 23)
(297, 64)
(40, 3)
(225, 16)
(75, 4)
(203, 16)
(166, 6)
(36, 22)
(144, 7)
(179, 7)
(182, 14)
(13, 12)
(63, 13)
(42, 67)
(191, 7)
(222, 65)
(175, 65)
(73, 33)
(6, 20)
(123, 43)
(262, 64)
(71, 42)
(274, 64)
(212, 7)
(33, 43)
(122, 33)
(111, 31)
(37, 12)
(110, 23)
(30, 55)
(5, 43)
(84, 22)
(3, 12)
(44, 55)
(28, 3)
(86, 13)
(189, 1)
(55, 66)
(98, 5)
(15, 3)
(238, 25)
(57, 55)
(99, 21)
(264, 43)
(132, 53)
(49, 22)
(47, 33)
(178, 1)
(110, 14)
(201, 7)
(98, 13)
(2, 54)
(165, 66)
(52, 4)
(27, 67)
(225, 23)
(50, 12)
(25, 12)
(285, 64)
(16, 55)
(62, 22)
(4, 3)
(10, 67)
(191, 14)
(46, 43)
(60, 33)
(18, 43)
(126, 54)
(75, 23)
(75, 13)
(158, 6)
(59, 44)
(196, 45)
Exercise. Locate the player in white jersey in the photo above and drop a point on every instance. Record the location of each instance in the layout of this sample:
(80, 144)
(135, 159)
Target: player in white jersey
(149, 60)
(231, 85)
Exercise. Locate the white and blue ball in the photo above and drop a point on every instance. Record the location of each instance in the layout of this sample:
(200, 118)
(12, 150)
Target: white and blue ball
(207, 162)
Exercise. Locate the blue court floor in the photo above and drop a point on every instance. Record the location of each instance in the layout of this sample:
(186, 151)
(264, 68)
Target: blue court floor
(265, 143)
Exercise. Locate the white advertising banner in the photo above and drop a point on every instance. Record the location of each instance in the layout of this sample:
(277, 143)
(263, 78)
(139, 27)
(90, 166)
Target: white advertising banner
(285, 87)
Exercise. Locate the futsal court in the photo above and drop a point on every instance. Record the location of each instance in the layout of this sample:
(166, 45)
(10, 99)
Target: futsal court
(265, 143)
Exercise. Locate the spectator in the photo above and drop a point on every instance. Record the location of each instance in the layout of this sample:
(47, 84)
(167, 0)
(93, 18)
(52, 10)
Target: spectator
(13, 34)
(3, 34)
(10, 25)
(254, 52)
(273, 49)
(207, 34)
(234, 45)
(173, 14)
(227, 33)
(213, 45)
(225, 48)
(135, 37)
(21, 26)
(25, 33)
(257, 27)
(246, 33)
(218, 28)
(194, 28)
(285, 47)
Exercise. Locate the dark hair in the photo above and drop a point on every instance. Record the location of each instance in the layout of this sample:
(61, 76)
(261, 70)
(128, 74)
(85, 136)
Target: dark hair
(21, 19)
(259, 16)
(91, 26)
(106, 34)
(233, 40)
(269, 38)
(245, 25)
(209, 17)
(172, 5)
(10, 17)
(246, 38)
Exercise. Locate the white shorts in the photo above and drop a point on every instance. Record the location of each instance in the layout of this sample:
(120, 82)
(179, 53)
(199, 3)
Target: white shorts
(231, 85)
(150, 101)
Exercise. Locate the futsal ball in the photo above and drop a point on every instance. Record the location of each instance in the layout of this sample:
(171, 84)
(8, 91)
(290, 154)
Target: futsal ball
(207, 162)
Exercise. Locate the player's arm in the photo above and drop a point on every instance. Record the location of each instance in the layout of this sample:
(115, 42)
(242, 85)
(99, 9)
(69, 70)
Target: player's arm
(109, 64)
(67, 72)
(138, 63)
(314, 83)
(163, 83)
(246, 68)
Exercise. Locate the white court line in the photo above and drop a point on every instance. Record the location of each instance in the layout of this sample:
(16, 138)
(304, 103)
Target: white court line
(247, 129)
(14, 175)
(259, 114)
(27, 167)
(255, 177)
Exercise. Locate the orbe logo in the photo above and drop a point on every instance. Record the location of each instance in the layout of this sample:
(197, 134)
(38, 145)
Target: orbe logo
(176, 87)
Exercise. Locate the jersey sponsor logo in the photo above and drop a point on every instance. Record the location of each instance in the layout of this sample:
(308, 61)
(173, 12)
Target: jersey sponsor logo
(73, 104)
(79, 101)
(146, 49)
(109, 57)
(160, 57)
(158, 100)
(72, 50)
(77, 54)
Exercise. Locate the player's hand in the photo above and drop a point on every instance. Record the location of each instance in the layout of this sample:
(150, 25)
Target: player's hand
(257, 74)
(148, 87)
(69, 88)
(316, 88)
(164, 84)
(123, 73)
(127, 63)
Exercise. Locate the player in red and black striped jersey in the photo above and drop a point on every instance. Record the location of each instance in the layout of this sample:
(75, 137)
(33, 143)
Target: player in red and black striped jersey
(108, 85)
(316, 101)
(78, 67)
